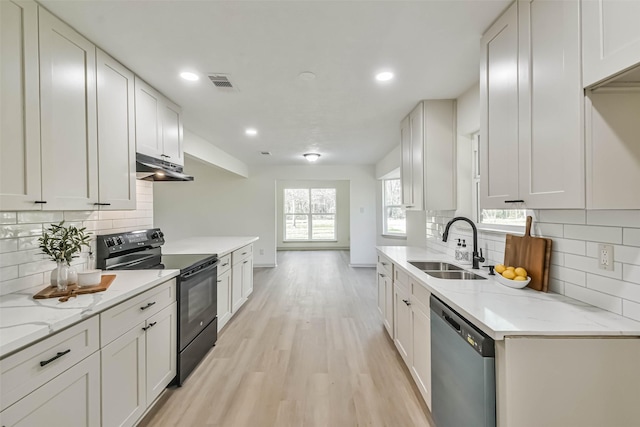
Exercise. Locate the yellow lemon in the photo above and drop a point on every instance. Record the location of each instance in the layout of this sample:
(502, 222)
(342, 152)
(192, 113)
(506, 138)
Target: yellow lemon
(521, 272)
(508, 274)
(520, 279)
(511, 268)
(500, 268)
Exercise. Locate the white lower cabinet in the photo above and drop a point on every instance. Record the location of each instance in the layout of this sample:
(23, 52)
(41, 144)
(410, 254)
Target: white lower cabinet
(247, 277)
(402, 322)
(137, 366)
(241, 276)
(385, 292)
(236, 288)
(421, 350)
(72, 399)
(224, 298)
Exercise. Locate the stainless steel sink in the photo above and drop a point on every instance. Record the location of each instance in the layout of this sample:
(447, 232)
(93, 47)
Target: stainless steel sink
(435, 266)
(455, 275)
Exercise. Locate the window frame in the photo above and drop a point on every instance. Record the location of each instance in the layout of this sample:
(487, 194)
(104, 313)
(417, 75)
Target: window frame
(385, 206)
(309, 216)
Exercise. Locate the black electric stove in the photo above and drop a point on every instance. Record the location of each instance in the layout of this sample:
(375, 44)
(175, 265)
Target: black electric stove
(196, 288)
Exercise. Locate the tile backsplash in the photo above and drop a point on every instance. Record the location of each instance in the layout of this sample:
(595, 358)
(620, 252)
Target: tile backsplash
(574, 268)
(23, 265)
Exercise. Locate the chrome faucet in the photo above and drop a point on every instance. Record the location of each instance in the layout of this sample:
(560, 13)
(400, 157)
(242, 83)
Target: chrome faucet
(477, 257)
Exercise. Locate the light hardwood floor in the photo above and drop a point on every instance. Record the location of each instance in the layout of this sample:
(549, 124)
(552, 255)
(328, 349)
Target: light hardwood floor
(307, 349)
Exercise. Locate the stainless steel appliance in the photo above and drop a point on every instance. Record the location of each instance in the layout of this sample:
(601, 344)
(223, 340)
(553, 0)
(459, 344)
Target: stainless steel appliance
(462, 370)
(196, 288)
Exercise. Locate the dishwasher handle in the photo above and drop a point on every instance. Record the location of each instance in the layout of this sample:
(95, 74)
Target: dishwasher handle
(451, 322)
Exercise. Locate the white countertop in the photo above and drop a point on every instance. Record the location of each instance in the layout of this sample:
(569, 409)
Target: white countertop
(24, 320)
(213, 245)
(500, 311)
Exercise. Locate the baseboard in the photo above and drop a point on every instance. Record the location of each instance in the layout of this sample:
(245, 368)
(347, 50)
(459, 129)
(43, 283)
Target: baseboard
(314, 248)
(362, 265)
(265, 265)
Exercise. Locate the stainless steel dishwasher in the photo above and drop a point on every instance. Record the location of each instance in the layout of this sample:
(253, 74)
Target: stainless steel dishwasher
(462, 371)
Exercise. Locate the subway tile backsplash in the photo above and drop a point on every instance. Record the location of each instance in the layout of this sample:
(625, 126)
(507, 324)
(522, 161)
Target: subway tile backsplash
(23, 266)
(574, 268)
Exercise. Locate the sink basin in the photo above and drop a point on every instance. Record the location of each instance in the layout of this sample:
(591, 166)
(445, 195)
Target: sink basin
(455, 275)
(435, 266)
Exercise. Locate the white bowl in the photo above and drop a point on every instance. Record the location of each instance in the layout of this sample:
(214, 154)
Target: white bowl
(89, 278)
(512, 283)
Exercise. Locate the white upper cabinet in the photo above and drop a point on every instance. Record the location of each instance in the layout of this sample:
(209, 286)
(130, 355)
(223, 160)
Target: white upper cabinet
(610, 38)
(531, 102)
(68, 116)
(499, 111)
(20, 185)
(116, 134)
(551, 107)
(428, 149)
(158, 125)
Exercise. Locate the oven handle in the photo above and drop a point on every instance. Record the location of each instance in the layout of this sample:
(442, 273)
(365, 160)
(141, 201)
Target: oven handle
(210, 267)
(129, 264)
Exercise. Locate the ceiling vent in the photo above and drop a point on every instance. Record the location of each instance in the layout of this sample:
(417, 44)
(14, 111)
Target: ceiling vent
(221, 81)
(265, 153)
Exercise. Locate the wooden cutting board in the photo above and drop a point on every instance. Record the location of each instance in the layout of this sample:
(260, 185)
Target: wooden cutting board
(72, 290)
(532, 253)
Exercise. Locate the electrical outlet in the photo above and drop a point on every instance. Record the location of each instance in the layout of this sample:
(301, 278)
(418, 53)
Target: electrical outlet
(605, 257)
(261, 251)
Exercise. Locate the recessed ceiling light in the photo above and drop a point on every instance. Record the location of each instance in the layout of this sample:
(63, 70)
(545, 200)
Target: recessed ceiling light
(251, 132)
(192, 77)
(306, 75)
(384, 76)
(311, 157)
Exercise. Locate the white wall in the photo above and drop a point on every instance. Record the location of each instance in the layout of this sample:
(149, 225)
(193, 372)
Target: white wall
(342, 214)
(223, 204)
(468, 123)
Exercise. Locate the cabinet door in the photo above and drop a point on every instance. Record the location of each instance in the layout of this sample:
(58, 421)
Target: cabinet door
(172, 148)
(551, 107)
(382, 294)
(421, 350)
(388, 305)
(72, 399)
(224, 298)
(402, 323)
(68, 116)
(20, 184)
(116, 134)
(610, 38)
(236, 287)
(148, 108)
(440, 160)
(416, 122)
(123, 379)
(406, 174)
(499, 111)
(161, 351)
(247, 277)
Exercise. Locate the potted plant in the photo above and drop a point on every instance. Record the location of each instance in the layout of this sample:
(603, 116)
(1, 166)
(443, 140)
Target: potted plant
(62, 244)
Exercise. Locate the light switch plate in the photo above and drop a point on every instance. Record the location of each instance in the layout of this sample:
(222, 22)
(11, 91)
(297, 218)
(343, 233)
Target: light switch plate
(605, 257)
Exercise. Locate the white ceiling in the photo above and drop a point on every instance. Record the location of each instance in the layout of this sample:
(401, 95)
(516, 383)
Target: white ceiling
(432, 46)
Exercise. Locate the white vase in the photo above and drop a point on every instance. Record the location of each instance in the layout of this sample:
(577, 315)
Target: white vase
(60, 275)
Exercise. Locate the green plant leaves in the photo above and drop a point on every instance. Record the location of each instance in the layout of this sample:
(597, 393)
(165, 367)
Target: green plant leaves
(63, 243)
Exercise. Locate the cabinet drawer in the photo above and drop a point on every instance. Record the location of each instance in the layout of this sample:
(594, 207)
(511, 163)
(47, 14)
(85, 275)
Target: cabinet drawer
(386, 265)
(420, 294)
(25, 371)
(225, 264)
(241, 254)
(401, 279)
(121, 318)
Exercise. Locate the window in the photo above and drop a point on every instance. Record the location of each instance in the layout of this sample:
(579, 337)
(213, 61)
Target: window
(309, 214)
(394, 222)
(513, 217)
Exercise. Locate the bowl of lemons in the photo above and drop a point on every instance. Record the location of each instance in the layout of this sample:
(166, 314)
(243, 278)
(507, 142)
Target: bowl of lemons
(513, 277)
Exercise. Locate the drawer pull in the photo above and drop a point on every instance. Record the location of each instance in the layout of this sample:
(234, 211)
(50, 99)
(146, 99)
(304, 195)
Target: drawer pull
(40, 202)
(383, 263)
(406, 301)
(150, 326)
(226, 263)
(514, 201)
(57, 356)
(381, 275)
(147, 306)
(219, 281)
(245, 262)
(244, 253)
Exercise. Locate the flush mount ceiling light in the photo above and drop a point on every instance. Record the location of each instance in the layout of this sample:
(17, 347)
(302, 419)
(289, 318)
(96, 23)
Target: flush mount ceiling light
(385, 76)
(251, 132)
(306, 75)
(311, 157)
(192, 77)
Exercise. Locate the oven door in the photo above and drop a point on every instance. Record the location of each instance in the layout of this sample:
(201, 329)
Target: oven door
(197, 303)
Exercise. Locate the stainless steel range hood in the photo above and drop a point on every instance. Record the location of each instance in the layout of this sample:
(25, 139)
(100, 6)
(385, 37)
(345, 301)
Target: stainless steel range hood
(158, 170)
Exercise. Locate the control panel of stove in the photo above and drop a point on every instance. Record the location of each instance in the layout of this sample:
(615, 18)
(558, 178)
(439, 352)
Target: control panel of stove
(123, 242)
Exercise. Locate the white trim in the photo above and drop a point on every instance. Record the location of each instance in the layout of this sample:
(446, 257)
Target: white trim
(395, 236)
(500, 229)
(362, 265)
